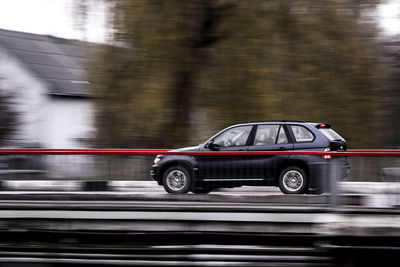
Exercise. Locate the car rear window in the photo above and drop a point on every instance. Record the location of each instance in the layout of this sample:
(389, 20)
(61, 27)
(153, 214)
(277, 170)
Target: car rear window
(331, 134)
(302, 134)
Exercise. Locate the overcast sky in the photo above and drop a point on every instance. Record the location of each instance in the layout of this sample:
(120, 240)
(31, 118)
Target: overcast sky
(52, 17)
(55, 17)
(389, 17)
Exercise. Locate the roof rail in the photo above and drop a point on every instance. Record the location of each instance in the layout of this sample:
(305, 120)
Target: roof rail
(274, 121)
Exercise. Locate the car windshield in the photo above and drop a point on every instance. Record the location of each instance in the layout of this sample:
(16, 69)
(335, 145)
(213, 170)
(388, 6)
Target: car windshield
(331, 134)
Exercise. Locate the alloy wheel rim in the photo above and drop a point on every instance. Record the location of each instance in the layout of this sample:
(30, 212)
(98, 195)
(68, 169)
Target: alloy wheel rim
(293, 180)
(176, 180)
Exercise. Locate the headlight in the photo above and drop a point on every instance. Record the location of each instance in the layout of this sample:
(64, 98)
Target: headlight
(157, 160)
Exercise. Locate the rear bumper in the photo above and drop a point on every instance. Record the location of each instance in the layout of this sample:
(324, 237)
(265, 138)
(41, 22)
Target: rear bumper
(321, 172)
(343, 168)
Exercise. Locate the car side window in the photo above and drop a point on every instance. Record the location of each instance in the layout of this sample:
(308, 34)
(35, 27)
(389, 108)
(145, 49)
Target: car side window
(267, 135)
(302, 134)
(236, 136)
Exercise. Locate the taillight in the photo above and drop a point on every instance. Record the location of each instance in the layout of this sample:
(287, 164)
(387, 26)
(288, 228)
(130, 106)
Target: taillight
(327, 156)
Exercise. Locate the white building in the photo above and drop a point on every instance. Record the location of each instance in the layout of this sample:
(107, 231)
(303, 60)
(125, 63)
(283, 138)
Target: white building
(45, 77)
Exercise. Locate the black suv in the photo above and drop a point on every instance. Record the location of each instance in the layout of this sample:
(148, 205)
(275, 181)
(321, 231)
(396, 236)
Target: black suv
(294, 174)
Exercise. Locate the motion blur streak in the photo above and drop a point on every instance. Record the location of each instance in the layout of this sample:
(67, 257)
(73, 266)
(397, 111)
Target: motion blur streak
(171, 74)
(178, 71)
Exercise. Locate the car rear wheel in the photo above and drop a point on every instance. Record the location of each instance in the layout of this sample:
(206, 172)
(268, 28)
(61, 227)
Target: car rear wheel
(176, 180)
(293, 180)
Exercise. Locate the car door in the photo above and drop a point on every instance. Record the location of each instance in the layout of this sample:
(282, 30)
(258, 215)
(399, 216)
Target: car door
(269, 137)
(226, 167)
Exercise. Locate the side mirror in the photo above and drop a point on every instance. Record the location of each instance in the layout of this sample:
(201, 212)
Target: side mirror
(210, 145)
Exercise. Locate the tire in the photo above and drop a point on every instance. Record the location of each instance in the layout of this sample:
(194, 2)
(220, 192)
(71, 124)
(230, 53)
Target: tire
(177, 180)
(201, 190)
(293, 180)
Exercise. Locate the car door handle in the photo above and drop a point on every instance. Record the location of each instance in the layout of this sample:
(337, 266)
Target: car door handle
(282, 148)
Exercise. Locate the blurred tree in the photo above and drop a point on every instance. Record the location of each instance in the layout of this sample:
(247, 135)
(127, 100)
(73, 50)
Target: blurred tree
(178, 67)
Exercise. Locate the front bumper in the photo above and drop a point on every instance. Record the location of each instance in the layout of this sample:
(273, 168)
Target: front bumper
(155, 172)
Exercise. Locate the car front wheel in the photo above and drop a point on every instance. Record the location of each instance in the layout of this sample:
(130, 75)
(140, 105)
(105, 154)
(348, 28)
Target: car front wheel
(176, 180)
(293, 180)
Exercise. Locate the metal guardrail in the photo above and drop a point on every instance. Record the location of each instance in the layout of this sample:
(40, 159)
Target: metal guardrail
(350, 152)
(166, 249)
(160, 235)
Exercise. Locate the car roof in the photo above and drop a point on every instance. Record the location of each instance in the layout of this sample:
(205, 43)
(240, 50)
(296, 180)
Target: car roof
(276, 121)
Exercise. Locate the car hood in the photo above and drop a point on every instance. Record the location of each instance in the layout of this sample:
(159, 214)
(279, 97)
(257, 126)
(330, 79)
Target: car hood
(186, 149)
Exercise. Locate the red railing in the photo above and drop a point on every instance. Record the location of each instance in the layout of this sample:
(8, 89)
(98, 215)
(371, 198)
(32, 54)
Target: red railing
(353, 152)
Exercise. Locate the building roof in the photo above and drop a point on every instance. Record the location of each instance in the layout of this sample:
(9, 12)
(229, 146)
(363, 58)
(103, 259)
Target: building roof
(60, 63)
